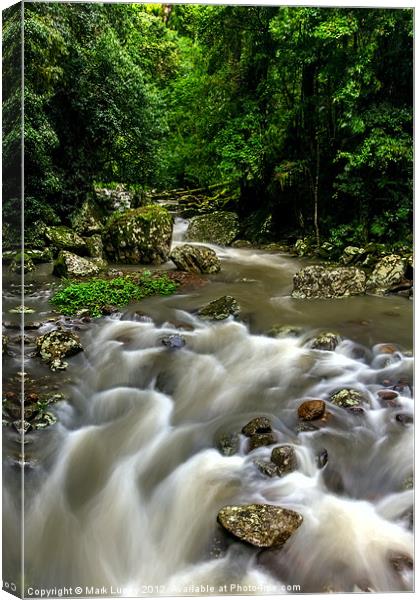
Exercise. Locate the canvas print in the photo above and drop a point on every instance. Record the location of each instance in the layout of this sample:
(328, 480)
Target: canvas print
(207, 300)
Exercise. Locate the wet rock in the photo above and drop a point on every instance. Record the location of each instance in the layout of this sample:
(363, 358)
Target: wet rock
(63, 238)
(71, 265)
(219, 227)
(387, 394)
(257, 425)
(385, 349)
(352, 255)
(4, 343)
(141, 235)
(220, 309)
(22, 427)
(262, 525)
(404, 418)
(306, 427)
(228, 443)
(285, 459)
(88, 219)
(285, 331)
(43, 419)
(195, 259)
(22, 263)
(95, 246)
(326, 341)
(310, 410)
(174, 342)
(322, 458)
(347, 398)
(327, 282)
(56, 345)
(261, 439)
(266, 467)
(388, 272)
(242, 244)
(401, 562)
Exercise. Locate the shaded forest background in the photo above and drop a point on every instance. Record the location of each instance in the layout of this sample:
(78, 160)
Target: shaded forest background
(306, 112)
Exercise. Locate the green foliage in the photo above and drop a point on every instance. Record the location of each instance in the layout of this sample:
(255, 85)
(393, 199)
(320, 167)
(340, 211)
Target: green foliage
(93, 295)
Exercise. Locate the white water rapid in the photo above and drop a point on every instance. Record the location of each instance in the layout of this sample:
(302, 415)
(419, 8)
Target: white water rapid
(133, 477)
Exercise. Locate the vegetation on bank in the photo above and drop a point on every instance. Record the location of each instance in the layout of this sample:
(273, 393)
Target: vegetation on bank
(98, 295)
(306, 110)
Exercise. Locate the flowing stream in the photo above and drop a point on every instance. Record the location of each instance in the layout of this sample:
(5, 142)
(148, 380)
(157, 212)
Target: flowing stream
(123, 492)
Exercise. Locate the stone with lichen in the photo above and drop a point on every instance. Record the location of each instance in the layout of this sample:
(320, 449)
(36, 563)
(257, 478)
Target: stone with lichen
(261, 525)
(347, 398)
(54, 346)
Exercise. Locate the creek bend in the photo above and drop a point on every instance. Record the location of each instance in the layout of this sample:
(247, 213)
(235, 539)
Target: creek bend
(124, 490)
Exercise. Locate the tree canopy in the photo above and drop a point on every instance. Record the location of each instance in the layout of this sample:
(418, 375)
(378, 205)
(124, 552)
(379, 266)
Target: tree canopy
(307, 110)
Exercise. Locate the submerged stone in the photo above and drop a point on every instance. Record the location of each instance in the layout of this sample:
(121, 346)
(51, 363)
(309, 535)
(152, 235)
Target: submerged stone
(261, 525)
(174, 342)
(267, 468)
(220, 309)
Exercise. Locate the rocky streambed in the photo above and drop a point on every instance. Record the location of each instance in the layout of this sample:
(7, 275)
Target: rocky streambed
(212, 437)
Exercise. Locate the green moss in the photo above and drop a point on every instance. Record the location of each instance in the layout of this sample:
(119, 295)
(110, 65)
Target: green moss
(145, 213)
(97, 293)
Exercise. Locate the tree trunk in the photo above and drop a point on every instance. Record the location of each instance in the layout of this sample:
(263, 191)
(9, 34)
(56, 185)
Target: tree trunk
(316, 190)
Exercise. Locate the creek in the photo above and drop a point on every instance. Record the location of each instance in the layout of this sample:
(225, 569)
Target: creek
(123, 492)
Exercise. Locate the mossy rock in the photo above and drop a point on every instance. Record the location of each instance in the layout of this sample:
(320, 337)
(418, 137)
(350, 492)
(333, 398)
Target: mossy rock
(95, 246)
(88, 219)
(64, 238)
(219, 227)
(220, 309)
(139, 236)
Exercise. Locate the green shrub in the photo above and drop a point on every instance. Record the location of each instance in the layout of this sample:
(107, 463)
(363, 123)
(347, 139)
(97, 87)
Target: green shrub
(96, 293)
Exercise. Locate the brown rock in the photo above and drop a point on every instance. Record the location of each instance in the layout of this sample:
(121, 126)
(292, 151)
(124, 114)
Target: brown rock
(387, 394)
(310, 410)
(262, 525)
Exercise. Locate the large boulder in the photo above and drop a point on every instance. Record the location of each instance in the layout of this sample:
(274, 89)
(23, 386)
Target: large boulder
(220, 309)
(388, 272)
(56, 345)
(219, 227)
(63, 238)
(70, 265)
(88, 219)
(325, 282)
(141, 235)
(195, 259)
(261, 525)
